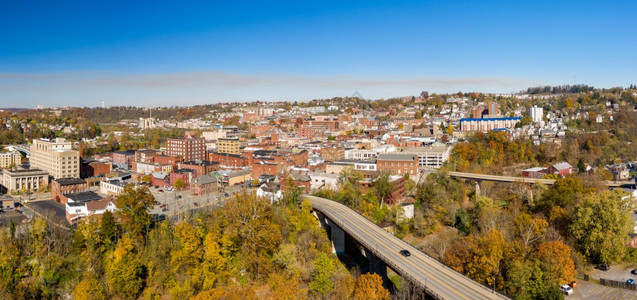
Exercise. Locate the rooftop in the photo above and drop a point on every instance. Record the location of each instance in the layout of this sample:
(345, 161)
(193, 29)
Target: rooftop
(83, 196)
(396, 157)
(69, 181)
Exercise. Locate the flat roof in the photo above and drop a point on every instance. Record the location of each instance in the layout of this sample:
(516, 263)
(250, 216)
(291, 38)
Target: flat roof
(70, 181)
(83, 196)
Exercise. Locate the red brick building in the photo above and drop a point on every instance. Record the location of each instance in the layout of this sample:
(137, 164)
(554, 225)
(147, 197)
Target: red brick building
(263, 168)
(189, 148)
(62, 186)
(185, 175)
(124, 159)
(91, 168)
(228, 160)
(203, 185)
(399, 164)
(297, 179)
(200, 167)
(167, 160)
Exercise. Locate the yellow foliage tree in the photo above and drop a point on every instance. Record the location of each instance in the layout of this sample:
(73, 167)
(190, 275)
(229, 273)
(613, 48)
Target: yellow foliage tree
(89, 289)
(558, 255)
(370, 286)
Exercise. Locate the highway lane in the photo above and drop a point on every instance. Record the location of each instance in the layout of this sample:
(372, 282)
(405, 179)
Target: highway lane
(437, 279)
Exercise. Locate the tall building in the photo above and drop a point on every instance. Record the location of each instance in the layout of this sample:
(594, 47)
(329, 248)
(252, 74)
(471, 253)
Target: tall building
(11, 158)
(537, 113)
(147, 123)
(55, 157)
(228, 145)
(189, 148)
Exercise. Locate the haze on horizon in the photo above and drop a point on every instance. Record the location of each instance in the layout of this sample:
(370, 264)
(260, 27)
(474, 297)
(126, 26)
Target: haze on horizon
(159, 53)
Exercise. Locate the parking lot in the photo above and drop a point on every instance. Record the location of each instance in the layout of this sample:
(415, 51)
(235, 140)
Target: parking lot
(174, 203)
(589, 290)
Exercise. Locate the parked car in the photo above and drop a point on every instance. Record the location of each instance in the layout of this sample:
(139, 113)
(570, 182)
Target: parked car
(634, 272)
(630, 281)
(566, 289)
(405, 252)
(603, 267)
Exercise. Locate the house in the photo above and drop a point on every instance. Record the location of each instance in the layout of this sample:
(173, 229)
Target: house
(159, 179)
(562, 169)
(297, 179)
(203, 185)
(112, 187)
(76, 211)
(537, 172)
(270, 193)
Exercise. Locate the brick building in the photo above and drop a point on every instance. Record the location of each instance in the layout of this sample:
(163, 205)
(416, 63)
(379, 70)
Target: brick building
(200, 167)
(297, 179)
(331, 154)
(94, 168)
(228, 160)
(228, 145)
(188, 148)
(186, 175)
(203, 185)
(62, 186)
(263, 168)
(399, 164)
(124, 159)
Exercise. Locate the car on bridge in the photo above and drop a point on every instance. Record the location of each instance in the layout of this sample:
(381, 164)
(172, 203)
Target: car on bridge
(405, 252)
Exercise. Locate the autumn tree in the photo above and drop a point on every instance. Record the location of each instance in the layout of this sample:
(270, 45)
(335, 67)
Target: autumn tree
(601, 225)
(370, 286)
(557, 255)
(89, 289)
(132, 208)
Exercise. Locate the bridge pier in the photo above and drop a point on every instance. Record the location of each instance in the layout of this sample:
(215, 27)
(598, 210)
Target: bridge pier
(377, 266)
(338, 240)
(478, 192)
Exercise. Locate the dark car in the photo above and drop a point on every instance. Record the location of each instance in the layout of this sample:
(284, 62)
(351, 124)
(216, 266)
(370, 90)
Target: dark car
(603, 267)
(405, 252)
(634, 272)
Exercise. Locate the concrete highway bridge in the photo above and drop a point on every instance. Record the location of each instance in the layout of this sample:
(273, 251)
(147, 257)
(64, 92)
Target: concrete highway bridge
(383, 250)
(481, 177)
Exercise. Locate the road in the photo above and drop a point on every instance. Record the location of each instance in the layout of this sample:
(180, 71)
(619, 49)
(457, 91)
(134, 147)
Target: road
(438, 280)
(525, 180)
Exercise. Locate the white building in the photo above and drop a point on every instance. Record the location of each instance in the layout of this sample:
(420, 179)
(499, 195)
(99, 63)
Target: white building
(12, 158)
(147, 123)
(323, 181)
(213, 135)
(537, 113)
(112, 187)
(430, 157)
(55, 157)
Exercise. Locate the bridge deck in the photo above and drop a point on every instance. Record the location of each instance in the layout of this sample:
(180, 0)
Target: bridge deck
(438, 280)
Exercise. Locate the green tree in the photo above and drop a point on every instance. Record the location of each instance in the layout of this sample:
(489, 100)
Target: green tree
(321, 284)
(383, 186)
(601, 225)
(109, 228)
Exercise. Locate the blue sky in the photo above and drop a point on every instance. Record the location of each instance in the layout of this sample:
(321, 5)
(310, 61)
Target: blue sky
(162, 53)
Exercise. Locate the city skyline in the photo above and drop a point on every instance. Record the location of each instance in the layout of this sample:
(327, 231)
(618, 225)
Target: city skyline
(80, 54)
